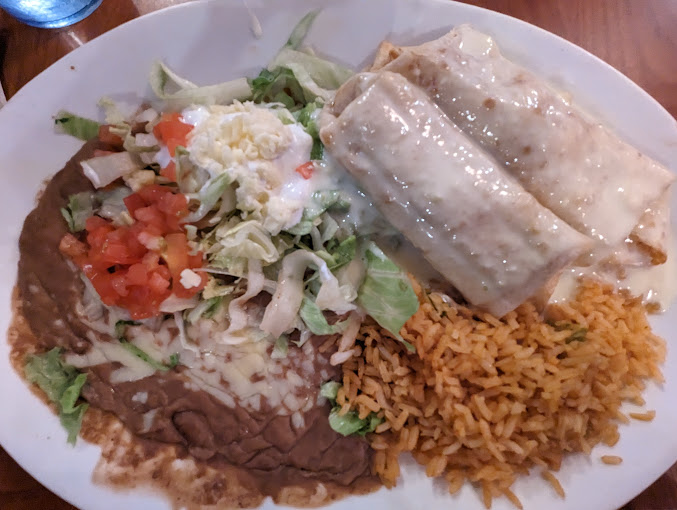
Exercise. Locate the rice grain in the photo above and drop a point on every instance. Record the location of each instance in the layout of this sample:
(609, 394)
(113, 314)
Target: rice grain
(484, 399)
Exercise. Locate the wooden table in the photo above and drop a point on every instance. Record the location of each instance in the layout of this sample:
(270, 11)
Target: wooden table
(635, 36)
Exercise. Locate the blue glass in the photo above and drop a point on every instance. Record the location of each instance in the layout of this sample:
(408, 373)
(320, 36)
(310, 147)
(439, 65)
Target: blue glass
(49, 13)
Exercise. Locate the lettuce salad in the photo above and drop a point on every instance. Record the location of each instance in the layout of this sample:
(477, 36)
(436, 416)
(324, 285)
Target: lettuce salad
(268, 210)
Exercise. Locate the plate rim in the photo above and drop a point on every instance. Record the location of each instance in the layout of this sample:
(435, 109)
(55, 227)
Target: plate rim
(27, 90)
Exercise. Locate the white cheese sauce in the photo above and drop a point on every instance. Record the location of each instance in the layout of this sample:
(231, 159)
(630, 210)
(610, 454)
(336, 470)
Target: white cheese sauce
(656, 284)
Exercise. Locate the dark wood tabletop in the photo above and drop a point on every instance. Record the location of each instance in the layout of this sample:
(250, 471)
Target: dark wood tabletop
(638, 37)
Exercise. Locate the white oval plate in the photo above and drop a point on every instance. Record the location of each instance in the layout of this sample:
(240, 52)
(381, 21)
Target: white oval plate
(211, 41)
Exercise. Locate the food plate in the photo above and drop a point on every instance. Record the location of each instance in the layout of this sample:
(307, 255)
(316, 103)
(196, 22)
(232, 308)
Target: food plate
(212, 41)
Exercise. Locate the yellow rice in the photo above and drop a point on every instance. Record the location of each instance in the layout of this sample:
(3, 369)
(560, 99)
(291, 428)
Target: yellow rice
(483, 399)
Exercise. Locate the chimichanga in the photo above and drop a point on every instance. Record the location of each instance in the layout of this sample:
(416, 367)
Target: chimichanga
(473, 222)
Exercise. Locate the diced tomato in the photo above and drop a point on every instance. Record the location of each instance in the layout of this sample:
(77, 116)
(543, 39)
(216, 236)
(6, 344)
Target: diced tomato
(175, 207)
(151, 260)
(106, 136)
(103, 285)
(306, 169)
(138, 266)
(157, 283)
(164, 272)
(96, 222)
(151, 194)
(151, 216)
(134, 202)
(142, 302)
(119, 283)
(115, 253)
(176, 254)
(172, 131)
(137, 274)
(169, 171)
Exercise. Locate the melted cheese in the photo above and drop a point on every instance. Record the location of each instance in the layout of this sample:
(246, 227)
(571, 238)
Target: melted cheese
(238, 375)
(656, 284)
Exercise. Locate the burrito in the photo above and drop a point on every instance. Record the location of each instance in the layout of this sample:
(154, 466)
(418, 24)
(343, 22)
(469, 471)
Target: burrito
(573, 165)
(473, 222)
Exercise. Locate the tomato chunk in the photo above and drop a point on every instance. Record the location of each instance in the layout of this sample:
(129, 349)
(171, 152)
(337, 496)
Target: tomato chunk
(169, 171)
(306, 169)
(172, 131)
(138, 266)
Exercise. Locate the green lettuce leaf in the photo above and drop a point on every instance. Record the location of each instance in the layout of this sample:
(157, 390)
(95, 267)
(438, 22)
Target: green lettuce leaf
(318, 78)
(120, 330)
(386, 293)
(278, 86)
(301, 30)
(315, 320)
(320, 202)
(307, 117)
(281, 348)
(344, 252)
(62, 383)
(296, 78)
(80, 207)
(74, 125)
(185, 93)
(144, 356)
(111, 111)
(72, 422)
(206, 309)
(350, 423)
(208, 196)
(329, 390)
(235, 245)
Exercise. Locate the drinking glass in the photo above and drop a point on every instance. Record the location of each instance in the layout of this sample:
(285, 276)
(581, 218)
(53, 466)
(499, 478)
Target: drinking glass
(49, 13)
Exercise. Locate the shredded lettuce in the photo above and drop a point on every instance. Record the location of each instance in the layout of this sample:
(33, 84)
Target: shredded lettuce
(281, 348)
(296, 78)
(278, 86)
(300, 31)
(208, 196)
(102, 170)
(349, 423)
(335, 297)
(307, 117)
(343, 253)
(317, 77)
(111, 111)
(140, 143)
(206, 309)
(74, 125)
(328, 228)
(315, 320)
(239, 318)
(80, 207)
(186, 93)
(320, 202)
(386, 293)
(62, 383)
(215, 288)
(121, 327)
(288, 297)
(144, 356)
(235, 245)
(329, 390)
(112, 205)
(120, 330)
